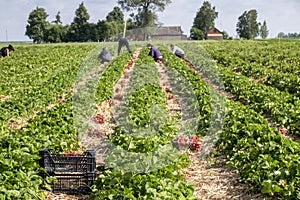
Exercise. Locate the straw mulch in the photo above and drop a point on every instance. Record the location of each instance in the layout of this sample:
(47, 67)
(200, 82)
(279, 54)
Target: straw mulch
(212, 179)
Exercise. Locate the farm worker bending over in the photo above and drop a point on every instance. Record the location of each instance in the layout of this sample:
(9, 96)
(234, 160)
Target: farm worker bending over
(155, 53)
(6, 50)
(177, 51)
(123, 42)
(105, 56)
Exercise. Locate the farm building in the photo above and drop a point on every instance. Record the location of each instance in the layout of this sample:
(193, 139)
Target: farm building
(168, 33)
(157, 33)
(214, 34)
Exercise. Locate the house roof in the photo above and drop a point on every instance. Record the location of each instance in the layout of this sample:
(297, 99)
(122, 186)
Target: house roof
(214, 31)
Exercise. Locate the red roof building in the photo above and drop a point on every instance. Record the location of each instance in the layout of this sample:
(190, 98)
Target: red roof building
(214, 34)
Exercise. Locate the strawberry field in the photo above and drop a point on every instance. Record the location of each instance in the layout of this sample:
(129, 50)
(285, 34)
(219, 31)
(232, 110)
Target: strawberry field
(234, 98)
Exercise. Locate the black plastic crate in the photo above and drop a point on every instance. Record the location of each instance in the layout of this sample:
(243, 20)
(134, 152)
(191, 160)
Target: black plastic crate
(75, 173)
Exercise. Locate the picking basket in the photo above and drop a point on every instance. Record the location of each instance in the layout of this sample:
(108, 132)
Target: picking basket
(74, 173)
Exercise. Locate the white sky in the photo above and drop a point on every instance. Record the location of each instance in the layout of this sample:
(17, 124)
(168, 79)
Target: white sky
(280, 15)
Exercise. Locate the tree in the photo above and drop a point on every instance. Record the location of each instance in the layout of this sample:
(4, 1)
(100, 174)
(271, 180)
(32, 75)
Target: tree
(145, 18)
(247, 26)
(114, 22)
(36, 26)
(78, 31)
(115, 15)
(280, 35)
(196, 34)
(225, 35)
(264, 32)
(146, 9)
(101, 30)
(205, 18)
(114, 29)
(57, 19)
(55, 33)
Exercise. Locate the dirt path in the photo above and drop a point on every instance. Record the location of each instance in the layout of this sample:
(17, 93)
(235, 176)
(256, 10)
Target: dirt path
(212, 179)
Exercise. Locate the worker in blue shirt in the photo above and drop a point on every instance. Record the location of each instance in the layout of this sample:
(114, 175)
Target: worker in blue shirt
(155, 53)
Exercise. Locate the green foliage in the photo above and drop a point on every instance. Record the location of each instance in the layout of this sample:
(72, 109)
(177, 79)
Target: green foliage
(35, 77)
(110, 76)
(247, 26)
(146, 10)
(289, 35)
(263, 31)
(197, 34)
(225, 35)
(79, 27)
(204, 20)
(114, 29)
(266, 63)
(165, 183)
(262, 155)
(55, 33)
(115, 15)
(271, 63)
(162, 183)
(37, 24)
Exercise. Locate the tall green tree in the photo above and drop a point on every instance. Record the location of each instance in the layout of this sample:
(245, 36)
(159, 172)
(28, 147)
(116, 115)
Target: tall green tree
(115, 15)
(280, 35)
(102, 30)
(225, 35)
(204, 20)
(145, 18)
(37, 23)
(55, 33)
(247, 26)
(196, 34)
(78, 31)
(114, 23)
(114, 29)
(264, 32)
(146, 10)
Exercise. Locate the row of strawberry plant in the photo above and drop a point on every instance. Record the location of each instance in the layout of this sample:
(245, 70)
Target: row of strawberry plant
(36, 76)
(286, 80)
(262, 156)
(283, 81)
(282, 56)
(206, 96)
(143, 133)
(19, 151)
(110, 76)
(51, 127)
(279, 107)
(143, 96)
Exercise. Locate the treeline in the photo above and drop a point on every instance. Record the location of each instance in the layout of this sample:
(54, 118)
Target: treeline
(80, 30)
(288, 35)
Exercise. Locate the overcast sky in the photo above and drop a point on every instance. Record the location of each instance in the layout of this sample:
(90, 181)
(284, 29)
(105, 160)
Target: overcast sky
(280, 15)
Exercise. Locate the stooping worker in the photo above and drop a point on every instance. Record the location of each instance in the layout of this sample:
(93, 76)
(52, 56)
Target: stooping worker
(105, 56)
(177, 51)
(155, 53)
(5, 51)
(123, 42)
